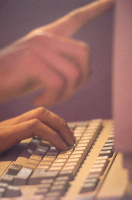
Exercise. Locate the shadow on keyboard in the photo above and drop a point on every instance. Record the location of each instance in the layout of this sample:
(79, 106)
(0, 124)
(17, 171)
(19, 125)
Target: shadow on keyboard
(34, 170)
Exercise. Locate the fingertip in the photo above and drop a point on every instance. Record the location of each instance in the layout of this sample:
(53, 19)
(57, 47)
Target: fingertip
(63, 147)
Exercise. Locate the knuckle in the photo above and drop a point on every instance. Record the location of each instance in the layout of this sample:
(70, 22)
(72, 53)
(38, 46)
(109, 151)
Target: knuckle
(54, 135)
(63, 124)
(38, 35)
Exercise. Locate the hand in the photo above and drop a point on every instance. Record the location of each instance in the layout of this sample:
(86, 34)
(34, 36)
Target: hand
(42, 60)
(40, 122)
(46, 59)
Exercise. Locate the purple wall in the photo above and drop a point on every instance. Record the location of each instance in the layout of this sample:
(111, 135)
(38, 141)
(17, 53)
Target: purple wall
(17, 17)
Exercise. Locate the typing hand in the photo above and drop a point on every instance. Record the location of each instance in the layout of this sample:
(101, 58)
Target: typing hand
(40, 122)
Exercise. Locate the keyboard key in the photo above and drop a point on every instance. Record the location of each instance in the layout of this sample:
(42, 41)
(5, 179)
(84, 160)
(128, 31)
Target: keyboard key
(59, 188)
(67, 173)
(13, 191)
(23, 176)
(2, 192)
(53, 195)
(90, 183)
(108, 153)
(40, 174)
(42, 191)
(7, 178)
(14, 169)
(88, 187)
(62, 178)
(35, 197)
(56, 168)
(99, 166)
(40, 150)
(96, 171)
(3, 185)
(45, 165)
(31, 166)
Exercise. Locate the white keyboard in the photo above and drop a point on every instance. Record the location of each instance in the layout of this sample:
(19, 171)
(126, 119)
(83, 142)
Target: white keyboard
(42, 172)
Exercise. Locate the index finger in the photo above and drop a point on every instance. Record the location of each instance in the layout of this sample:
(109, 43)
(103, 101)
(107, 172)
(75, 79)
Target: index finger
(73, 21)
(51, 120)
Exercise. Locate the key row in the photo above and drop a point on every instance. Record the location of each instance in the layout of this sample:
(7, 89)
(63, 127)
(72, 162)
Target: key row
(99, 166)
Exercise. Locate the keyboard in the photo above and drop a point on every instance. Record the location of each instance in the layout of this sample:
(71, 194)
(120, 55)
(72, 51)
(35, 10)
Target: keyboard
(35, 170)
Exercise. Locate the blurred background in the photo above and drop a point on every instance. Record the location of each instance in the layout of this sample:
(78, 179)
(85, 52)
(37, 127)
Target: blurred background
(18, 17)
